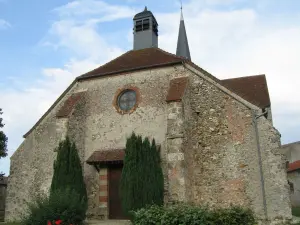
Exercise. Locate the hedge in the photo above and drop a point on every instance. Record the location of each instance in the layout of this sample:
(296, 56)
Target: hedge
(192, 215)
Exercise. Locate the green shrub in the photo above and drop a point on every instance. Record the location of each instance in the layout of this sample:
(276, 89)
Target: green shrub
(192, 215)
(233, 216)
(66, 205)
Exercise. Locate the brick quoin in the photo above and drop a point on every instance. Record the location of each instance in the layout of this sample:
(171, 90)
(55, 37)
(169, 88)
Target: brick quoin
(103, 188)
(103, 199)
(103, 177)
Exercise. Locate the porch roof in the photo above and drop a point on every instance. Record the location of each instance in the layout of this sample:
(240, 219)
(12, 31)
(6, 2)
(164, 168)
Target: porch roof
(106, 156)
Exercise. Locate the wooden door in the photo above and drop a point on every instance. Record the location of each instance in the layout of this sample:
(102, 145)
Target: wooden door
(115, 206)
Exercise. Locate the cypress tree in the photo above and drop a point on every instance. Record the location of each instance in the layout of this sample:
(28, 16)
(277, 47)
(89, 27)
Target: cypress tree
(142, 178)
(127, 187)
(67, 170)
(3, 139)
(159, 177)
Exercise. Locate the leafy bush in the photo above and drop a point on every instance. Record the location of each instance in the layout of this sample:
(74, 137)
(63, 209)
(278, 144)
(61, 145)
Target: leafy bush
(66, 205)
(233, 216)
(192, 215)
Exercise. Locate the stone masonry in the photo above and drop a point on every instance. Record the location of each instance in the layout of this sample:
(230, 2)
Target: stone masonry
(207, 138)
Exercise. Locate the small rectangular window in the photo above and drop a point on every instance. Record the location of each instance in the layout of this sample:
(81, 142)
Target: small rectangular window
(146, 24)
(138, 25)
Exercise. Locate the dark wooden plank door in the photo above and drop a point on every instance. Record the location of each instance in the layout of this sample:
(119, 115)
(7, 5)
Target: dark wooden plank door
(115, 206)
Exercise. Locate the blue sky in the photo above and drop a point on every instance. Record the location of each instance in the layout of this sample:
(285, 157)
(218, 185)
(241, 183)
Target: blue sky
(44, 45)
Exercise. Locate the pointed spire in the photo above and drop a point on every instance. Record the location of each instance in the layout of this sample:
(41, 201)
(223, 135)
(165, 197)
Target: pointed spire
(182, 43)
(181, 16)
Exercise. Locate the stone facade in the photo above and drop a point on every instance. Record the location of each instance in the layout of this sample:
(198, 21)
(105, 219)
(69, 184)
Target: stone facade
(222, 160)
(208, 144)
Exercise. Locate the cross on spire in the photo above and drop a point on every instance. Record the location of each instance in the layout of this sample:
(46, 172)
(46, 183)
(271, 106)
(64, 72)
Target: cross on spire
(181, 18)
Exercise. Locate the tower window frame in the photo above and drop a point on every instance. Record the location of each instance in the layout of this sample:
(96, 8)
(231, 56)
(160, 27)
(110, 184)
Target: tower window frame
(146, 24)
(142, 25)
(139, 25)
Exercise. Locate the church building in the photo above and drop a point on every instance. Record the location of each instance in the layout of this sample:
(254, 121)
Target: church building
(216, 137)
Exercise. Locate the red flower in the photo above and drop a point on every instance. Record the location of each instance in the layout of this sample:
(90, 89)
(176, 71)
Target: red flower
(58, 222)
(49, 223)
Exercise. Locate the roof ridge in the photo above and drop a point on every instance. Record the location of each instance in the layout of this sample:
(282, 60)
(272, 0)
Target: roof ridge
(171, 54)
(234, 78)
(291, 143)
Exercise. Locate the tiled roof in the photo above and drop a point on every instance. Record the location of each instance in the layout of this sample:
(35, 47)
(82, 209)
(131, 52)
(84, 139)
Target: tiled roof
(105, 156)
(69, 104)
(134, 60)
(294, 166)
(253, 89)
(176, 89)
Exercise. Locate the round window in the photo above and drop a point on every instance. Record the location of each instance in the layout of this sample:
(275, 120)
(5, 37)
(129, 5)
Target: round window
(127, 100)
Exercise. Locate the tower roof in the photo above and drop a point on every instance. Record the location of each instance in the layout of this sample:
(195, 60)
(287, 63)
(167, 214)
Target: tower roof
(145, 13)
(183, 49)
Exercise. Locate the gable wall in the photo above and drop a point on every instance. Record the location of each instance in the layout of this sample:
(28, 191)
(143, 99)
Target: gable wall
(221, 158)
(94, 125)
(107, 129)
(31, 166)
(220, 163)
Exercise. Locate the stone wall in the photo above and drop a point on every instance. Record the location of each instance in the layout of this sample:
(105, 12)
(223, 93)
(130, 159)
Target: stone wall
(31, 166)
(94, 124)
(107, 129)
(221, 157)
(274, 171)
(175, 156)
(208, 144)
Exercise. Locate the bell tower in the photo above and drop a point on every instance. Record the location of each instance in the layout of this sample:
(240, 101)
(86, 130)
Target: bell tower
(145, 31)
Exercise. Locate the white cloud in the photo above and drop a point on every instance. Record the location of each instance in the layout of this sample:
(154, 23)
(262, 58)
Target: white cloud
(103, 11)
(4, 24)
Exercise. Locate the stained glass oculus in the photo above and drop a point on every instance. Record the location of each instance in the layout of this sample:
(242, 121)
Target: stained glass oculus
(127, 100)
